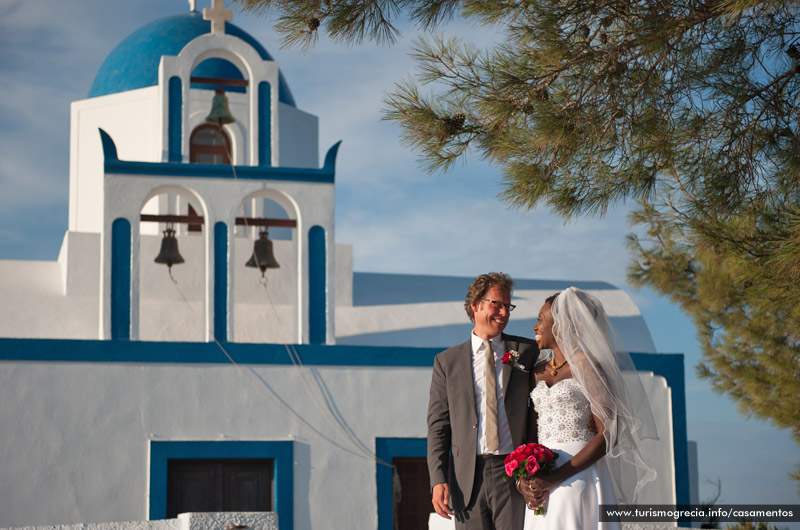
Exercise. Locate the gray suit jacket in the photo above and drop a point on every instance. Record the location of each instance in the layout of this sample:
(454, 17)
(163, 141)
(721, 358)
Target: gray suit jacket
(453, 420)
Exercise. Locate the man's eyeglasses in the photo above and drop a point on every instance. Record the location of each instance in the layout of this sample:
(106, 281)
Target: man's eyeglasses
(500, 305)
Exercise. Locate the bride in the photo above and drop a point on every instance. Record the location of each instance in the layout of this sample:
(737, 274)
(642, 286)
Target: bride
(583, 380)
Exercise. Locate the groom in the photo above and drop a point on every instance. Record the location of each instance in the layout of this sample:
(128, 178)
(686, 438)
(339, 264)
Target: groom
(478, 412)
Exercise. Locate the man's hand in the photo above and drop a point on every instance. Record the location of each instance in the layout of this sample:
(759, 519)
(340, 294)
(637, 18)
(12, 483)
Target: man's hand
(441, 497)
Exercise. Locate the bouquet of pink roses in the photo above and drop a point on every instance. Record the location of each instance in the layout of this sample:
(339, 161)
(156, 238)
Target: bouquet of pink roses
(527, 460)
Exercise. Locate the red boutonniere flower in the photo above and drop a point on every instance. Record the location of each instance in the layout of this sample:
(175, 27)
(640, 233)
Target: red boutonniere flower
(512, 357)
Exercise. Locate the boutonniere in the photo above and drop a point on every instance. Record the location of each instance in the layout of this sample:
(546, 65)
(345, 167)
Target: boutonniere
(512, 357)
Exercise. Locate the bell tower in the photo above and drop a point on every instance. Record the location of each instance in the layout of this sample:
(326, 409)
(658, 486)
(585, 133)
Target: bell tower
(200, 176)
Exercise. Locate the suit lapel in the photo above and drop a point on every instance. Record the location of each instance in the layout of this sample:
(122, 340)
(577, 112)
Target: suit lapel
(464, 364)
(507, 368)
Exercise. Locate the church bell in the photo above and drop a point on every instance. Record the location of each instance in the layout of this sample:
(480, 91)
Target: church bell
(169, 254)
(220, 112)
(262, 257)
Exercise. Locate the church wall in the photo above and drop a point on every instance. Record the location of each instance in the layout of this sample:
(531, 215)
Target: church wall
(84, 426)
(133, 119)
(299, 138)
(343, 283)
(53, 299)
(406, 318)
(79, 433)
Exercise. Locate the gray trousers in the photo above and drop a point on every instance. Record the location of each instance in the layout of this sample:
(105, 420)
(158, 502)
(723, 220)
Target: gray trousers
(495, 503)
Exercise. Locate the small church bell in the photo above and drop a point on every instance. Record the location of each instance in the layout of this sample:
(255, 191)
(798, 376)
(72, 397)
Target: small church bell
(220, 112)
(169, 254)
(262, 257)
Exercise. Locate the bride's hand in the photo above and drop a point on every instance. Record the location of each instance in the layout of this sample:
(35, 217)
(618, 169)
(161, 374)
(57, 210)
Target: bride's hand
(533, 498)
(542, 484)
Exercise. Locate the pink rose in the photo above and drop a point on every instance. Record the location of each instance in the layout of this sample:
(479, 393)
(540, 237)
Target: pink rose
(511, 465)
(532, 467)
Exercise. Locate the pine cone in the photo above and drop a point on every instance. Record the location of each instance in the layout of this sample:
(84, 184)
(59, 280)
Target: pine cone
(313, 23)
(454, 123)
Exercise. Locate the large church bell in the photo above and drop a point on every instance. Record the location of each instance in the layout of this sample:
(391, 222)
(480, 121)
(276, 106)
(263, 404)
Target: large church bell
(262, 257)
(169, 254)
(220, 111)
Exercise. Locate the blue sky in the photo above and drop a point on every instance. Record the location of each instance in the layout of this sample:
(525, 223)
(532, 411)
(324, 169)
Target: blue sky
(398, 218)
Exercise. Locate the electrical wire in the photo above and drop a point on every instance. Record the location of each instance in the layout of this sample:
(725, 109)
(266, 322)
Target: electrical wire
(312, 381)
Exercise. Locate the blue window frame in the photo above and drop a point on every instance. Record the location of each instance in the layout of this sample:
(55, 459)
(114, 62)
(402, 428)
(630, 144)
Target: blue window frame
(387, 449)
(282, 453)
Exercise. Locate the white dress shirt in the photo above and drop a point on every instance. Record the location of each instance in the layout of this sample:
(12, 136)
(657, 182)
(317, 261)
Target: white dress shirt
(479, 382)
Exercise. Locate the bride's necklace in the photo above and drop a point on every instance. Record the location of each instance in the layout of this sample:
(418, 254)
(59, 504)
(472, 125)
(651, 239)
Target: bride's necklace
(555, 369)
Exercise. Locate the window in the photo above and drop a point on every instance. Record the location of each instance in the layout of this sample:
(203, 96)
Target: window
(209, 145)
(412, 500)
(165, 454)
(219, 485)
(404, 499)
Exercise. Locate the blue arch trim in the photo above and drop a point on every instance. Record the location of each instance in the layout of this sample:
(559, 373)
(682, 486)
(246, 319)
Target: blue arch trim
(264, 124)
(219, 68)
(121, 279)
(386, 449)
(281, 452)
(221, 282)
(317, 286)
(175, 120)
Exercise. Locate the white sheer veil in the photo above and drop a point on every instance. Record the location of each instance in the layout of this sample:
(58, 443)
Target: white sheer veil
(597, 358)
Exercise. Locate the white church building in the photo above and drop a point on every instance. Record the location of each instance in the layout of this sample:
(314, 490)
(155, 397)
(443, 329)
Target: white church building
(132, 390)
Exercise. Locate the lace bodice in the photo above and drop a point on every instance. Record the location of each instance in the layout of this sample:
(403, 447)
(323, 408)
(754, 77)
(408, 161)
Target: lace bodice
(563, 410)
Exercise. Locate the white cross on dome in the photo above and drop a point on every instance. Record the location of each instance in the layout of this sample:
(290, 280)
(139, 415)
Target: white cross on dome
(217, 14)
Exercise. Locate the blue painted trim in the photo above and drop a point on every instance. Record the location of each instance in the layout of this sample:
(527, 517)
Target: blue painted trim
(66, 350)
(121, 279)
(112, 164)
(221, 282)
(330, 158)
(173, 169)
(264, 124)
(317, 286)
(175, 120)
(386, 449)
(670, 366)
(281, 452)
(109, 148)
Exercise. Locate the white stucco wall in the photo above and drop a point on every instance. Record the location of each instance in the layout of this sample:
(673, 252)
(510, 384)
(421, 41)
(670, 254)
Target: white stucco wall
(40, 298)
(133, 119)
(299, 138)
(90, 424)
(442, 321)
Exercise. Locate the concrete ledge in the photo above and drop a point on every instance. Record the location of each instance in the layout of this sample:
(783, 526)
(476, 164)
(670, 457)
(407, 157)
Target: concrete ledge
(185, 521)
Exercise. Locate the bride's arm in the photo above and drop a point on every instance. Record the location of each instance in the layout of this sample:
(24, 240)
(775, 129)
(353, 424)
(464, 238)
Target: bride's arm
(591, 453)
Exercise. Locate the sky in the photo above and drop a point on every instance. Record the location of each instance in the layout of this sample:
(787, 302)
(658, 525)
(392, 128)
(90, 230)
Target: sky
(399, 218)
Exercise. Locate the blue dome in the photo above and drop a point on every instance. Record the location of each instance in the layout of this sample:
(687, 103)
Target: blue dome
(134, 62)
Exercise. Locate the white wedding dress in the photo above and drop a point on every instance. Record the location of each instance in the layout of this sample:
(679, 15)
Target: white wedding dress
(564, 414)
